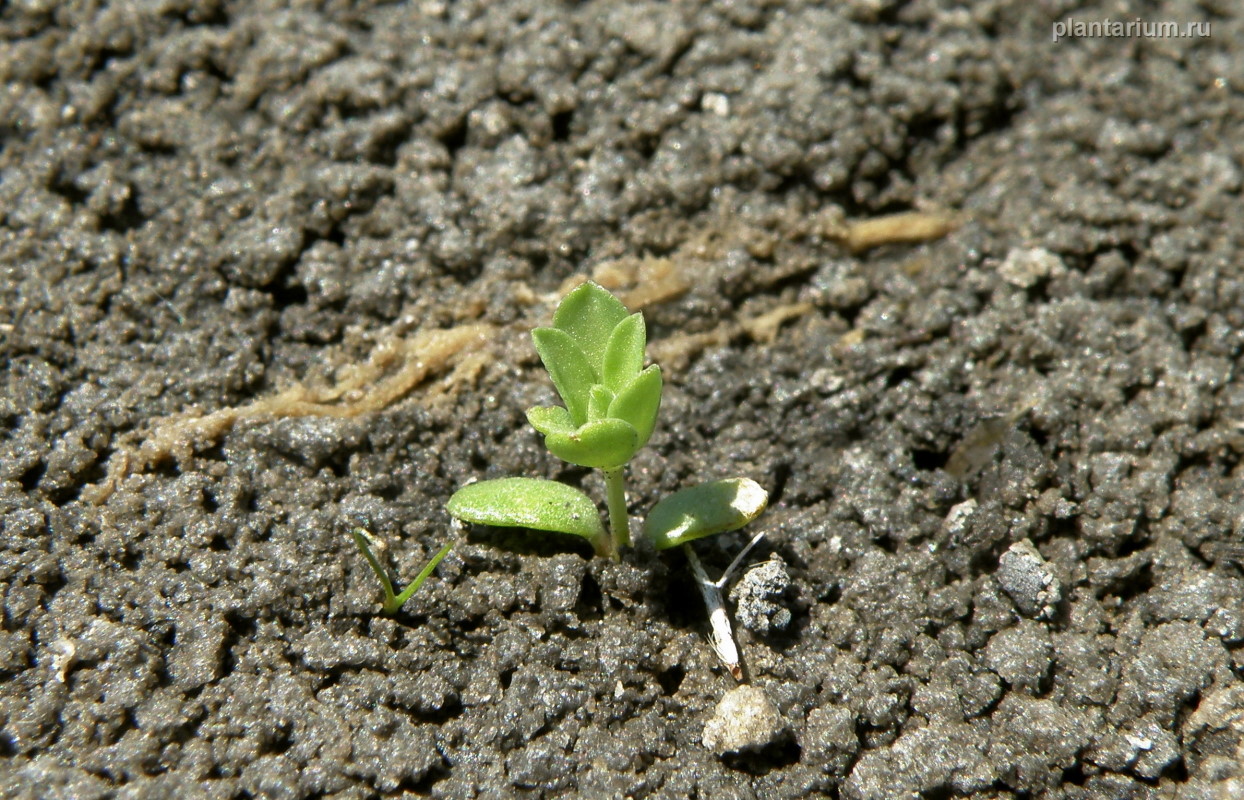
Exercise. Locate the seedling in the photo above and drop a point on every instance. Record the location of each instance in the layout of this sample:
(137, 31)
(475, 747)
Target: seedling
(393, 602)
(720, 635)
(594, 352)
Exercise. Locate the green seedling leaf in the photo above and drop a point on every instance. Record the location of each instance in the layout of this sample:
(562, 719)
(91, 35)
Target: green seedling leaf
(393, 602)
(639, 402)
(604, 444)
(573, 376)
(704, 510)
(589, 314)
(529, 503)
(598, 403)
(550, 419)
(624, 355)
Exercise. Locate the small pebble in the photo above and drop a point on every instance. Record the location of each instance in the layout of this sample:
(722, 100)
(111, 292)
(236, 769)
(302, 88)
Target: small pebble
(1025, 268)
(1028, 579)
(745, 719)
(757, 594)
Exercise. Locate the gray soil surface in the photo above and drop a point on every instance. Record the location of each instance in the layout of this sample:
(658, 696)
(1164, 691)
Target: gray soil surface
(1004, 462)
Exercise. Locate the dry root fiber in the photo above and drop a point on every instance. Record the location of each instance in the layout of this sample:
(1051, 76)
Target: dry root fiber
(911, 227)
(394, 370)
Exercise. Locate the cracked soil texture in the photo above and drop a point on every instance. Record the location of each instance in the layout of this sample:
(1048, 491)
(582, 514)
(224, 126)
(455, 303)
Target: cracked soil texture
(207, 202)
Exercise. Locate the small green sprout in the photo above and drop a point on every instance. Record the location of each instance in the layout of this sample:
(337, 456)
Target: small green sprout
(594, 352)
(393, 602)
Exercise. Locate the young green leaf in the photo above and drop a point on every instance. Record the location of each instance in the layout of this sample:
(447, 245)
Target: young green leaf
(573, 376)
(550, 419)
(624, 355)
(704, 510)
(598, 403)
(393, 602)
(604, 444)
(589, 314)
(528, 503)
(639, 401)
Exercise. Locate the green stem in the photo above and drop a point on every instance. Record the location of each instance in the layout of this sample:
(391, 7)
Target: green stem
(615, 498)
(360, 539)
(396, 604)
